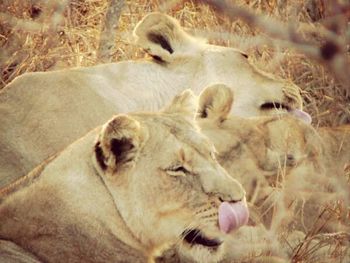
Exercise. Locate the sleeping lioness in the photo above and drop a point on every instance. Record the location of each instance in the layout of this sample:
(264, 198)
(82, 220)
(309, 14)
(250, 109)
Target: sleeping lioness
(149, 181)
(41, 113)
(293, 174)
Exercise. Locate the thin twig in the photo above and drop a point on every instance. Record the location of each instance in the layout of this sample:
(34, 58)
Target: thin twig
(109, 31)
(332, 53)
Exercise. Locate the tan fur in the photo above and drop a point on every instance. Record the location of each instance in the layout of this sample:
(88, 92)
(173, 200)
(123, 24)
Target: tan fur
(122, 200)
(293, 174)
(43, 112)
(11, 253)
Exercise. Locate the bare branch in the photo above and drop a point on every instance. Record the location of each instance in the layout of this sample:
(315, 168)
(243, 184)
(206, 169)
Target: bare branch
(109, 31)
(332, 53)
(57, 17)
(22, 24)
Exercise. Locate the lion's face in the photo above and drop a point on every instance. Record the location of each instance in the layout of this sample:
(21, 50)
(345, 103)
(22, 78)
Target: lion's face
(255, 149)
(165, 180)
(261, 151)
(274, 157)
(256, 92)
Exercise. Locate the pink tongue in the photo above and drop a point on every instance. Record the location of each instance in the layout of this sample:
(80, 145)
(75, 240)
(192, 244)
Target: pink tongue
(301, 115)
(232, 216)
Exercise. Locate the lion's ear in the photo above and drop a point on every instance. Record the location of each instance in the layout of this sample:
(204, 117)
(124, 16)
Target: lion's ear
(185, 103)
(162, 37)
(118, 143)
(215, 102)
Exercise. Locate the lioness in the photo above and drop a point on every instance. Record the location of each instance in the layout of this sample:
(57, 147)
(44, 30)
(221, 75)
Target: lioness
(293, 173)
(267, 153)
(149, 181)
(41, 113)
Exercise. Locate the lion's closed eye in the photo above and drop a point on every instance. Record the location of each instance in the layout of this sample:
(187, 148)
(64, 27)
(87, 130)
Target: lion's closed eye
(177, 170)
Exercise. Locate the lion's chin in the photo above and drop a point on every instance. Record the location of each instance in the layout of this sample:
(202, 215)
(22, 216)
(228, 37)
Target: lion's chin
(199, 248)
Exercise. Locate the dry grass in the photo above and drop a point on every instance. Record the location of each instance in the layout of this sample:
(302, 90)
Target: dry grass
(31, 41)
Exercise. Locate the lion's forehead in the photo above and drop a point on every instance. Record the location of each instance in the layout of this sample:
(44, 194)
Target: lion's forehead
(183, 130)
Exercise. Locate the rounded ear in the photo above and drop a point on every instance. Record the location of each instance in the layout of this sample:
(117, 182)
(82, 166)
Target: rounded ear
(162, 37)
(185, 103)
(118, 143)
(215, 102)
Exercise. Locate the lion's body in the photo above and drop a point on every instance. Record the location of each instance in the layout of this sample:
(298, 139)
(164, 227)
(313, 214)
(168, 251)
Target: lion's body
(12, 253)
(66, 216)
(105, 198)
(41, 113)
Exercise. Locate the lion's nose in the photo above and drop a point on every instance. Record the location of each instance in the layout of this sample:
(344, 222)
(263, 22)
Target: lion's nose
(232, 191)
(217, 182)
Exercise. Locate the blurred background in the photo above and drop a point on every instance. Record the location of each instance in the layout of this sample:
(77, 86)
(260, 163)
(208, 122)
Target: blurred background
(45, 35)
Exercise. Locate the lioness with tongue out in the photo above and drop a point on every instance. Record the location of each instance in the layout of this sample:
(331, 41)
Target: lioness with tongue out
(127, 190)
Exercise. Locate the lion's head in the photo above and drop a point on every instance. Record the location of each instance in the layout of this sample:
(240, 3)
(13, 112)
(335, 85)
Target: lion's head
(253, 148)
(257, 92)
(276, 158)
(166, 182)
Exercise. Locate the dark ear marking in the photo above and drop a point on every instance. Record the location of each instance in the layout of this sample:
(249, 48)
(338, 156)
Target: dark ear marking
(120, 147)
(204, 110)
(203, 114)
(99, 156)
(161, 40)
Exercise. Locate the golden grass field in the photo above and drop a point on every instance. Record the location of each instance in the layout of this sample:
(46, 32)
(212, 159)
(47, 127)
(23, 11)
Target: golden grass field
(28, 43)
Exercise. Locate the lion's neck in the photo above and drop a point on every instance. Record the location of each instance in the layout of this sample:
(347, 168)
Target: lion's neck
(68, 216)
(166, 76)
